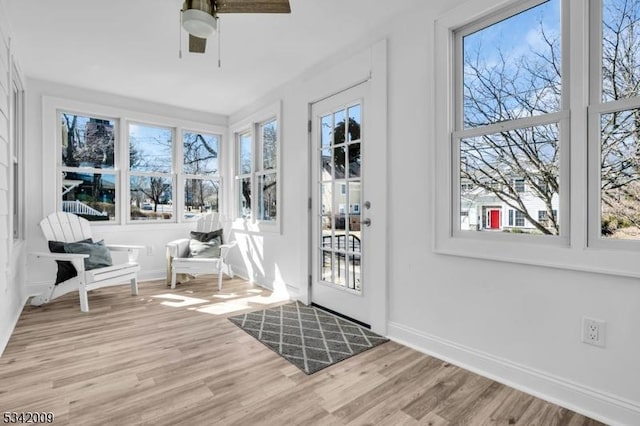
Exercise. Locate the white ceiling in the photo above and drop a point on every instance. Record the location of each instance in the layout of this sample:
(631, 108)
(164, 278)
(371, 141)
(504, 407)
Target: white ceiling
(130, 47)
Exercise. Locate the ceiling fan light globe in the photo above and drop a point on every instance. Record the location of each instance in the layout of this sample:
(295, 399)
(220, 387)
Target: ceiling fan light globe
(198, 23)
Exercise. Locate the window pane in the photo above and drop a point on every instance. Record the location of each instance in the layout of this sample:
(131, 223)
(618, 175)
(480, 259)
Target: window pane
(493, 162)
(620, 47)
(244, 153)
(511, 69)
(620, 175)
(89, 195)
(150, 148)
(269, 145)
(268, 197)
(151, 198)
(87, 141)
(200, 196)
(245, 198)
(200, 153)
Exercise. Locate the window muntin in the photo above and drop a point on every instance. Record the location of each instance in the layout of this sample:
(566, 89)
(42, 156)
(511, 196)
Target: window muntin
(617, 106)
(17, 157)
(88, 166)
(150, 172)
(507, 140)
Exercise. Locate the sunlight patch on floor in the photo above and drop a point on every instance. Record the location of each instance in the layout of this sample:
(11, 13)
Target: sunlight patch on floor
(228, 303)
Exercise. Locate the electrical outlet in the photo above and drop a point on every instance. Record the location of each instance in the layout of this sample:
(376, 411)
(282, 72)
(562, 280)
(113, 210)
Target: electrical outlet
(593, 331)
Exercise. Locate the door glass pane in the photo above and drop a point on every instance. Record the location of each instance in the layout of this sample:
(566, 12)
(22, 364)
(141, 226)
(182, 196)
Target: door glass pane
(340, 270)
(326, 266)
(87, 141)
(354, 160)
(354, 275)
(620, 175)
(200, 196)
(326, 131)
(200, 153)
(89, 195)
(339, 161)
(354, 123)
(339, 130)
(354, 216)
(151, 198)
(150, 148)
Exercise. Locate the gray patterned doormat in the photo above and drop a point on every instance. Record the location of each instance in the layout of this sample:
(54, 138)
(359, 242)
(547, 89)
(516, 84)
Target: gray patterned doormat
(308, 337)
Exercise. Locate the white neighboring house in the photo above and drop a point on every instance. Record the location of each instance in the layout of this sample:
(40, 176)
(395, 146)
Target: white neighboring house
(482, 210)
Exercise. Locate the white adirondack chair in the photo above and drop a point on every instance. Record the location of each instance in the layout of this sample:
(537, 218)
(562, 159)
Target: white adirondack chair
(67, 227)
(179, 261)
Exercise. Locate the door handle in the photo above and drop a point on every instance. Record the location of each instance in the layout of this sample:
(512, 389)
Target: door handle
(366, 222)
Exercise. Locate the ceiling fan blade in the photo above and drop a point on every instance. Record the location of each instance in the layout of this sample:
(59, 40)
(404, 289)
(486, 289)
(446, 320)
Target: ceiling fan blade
(253, 6)
(197, 44)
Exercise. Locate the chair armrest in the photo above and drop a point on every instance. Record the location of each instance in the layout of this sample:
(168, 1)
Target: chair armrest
(124, 247)
(132, 250)
(60, 256)
(76, 259)
(224, 248)
(178, 248)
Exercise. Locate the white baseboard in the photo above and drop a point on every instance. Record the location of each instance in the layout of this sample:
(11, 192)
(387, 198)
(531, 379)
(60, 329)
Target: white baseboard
(241, 271)
(5, 335)
(593, 403)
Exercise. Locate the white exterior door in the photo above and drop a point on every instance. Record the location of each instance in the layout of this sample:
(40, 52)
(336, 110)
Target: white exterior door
(342, 230)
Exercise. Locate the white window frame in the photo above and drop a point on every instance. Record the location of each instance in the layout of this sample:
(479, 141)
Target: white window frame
(17, 155)
(183, 176)
(574, 248)
(51, 106)
(60, 168)
(595, 109)
(252, 125)
(171, 174)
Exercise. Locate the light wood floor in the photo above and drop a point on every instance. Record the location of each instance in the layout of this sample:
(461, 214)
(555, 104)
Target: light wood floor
(170, 357)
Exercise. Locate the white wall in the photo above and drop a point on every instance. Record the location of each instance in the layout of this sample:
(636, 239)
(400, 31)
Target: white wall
(42, 170)
(11, 252)
(518, 324)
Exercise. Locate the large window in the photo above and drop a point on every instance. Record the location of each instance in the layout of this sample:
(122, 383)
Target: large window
(615, 118)
(150, 165)
(201, 171)
(532, 98)
(257, 164)
(114, 169)
(510, 117)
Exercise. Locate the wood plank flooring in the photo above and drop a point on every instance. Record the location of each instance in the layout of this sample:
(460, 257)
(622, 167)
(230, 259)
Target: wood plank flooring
(170, 357)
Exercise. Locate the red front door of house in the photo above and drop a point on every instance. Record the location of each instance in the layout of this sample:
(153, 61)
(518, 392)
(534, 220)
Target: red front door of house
(494, 219)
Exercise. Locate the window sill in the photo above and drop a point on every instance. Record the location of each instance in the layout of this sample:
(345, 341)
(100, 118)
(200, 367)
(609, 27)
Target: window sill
(556, 254)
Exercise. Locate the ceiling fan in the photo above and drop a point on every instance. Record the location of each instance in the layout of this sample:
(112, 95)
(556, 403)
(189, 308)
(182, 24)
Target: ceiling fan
(200, 17)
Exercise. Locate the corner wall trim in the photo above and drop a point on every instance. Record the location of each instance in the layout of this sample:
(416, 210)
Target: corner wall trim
(590, 402)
